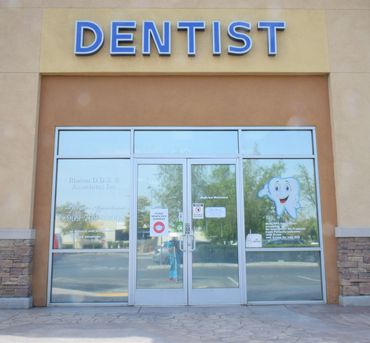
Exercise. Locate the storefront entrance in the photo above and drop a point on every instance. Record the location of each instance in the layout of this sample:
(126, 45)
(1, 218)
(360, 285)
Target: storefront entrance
(185, 216)
(196, 252)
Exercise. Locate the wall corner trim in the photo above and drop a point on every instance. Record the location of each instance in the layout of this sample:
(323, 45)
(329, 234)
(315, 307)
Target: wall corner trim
(17, 234)
(346, 232)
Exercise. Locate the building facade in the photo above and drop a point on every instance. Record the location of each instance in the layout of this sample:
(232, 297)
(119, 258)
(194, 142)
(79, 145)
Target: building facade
(171, 153)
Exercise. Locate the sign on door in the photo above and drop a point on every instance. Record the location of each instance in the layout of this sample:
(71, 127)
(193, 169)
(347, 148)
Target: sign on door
(158, 222)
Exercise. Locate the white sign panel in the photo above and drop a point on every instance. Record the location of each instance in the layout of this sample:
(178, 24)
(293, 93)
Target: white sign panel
(215, 212)
(198, 211)
(158, 222)
(254, 240)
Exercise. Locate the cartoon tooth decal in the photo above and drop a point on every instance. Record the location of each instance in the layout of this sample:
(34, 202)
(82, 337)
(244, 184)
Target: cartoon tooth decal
(284, 192)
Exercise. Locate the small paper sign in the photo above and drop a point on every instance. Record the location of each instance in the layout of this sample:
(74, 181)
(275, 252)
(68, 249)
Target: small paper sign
(158, 222)
(198, 211)
(215, 212)
(254, 240)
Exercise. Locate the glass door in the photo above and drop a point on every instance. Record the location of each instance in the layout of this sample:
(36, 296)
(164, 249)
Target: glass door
(213, 253)
(186, 232)
(161, 264)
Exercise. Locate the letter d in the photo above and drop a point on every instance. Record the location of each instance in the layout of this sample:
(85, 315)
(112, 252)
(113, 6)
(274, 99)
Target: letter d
(80, 48)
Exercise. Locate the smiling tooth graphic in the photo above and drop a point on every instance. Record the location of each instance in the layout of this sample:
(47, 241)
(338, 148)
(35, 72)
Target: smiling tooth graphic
(284, 192)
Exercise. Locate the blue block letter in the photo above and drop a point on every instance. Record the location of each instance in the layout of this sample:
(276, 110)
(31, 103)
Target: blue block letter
(80, 27)
(191, 27)
(271, 27)
(163, 45)
(117, 37)
(216, 38)
(235, 34)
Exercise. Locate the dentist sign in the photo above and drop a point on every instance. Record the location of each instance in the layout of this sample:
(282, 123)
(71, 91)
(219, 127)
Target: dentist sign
(159, 37)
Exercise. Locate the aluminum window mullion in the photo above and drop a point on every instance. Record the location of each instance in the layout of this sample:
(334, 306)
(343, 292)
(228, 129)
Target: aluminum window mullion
(52, 215)
(91, 157)
(223, 128)
(185, 128)
(77, 251)
(286, 302)
(277, 157)
(179, 156)
(319, 218)
(241, 232)
(133, 230)
(282, 249)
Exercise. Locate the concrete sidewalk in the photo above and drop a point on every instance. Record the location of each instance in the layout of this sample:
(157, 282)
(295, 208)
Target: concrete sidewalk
(288, 323)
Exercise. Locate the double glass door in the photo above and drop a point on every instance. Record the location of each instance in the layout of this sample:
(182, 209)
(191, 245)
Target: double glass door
(187, 249)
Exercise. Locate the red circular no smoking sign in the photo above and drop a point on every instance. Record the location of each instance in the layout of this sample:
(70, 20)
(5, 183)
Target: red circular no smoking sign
(158, 227)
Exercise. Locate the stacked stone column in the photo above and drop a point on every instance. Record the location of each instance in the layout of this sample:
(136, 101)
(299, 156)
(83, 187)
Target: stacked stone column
(16, 251)
(353, 249)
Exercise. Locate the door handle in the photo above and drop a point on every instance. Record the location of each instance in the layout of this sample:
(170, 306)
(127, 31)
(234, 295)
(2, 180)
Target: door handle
(193, 245)
(181, 243)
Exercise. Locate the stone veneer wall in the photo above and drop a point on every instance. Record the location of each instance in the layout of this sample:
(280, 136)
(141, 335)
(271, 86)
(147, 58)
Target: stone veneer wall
(16, 268)
(354, 267)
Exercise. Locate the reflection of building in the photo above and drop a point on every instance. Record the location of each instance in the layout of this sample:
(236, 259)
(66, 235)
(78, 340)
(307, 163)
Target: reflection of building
(313, 81)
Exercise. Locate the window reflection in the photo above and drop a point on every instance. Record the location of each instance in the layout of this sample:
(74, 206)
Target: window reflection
(194, 143)
(280, 203)
(89, 277)
(94, 142)
(276, 142)
(92, 204)
(159, 259)
(282, 276)
(215, 259)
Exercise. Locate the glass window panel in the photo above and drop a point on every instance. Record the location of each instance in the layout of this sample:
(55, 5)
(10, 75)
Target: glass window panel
(280, 203)
(276, 142)
(159, 259)
(94, 142)
(92, 204)
(283, 276)
(215, 259)
(89, 277)
(194, 143)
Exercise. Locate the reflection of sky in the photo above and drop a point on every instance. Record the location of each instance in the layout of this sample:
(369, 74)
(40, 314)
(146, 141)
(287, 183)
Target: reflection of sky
(179, 142)
(94, 142)
(193, 143)
(103, 186)
(276, 142)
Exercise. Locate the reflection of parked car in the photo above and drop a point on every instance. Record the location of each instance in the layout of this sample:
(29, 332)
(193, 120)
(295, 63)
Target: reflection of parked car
(57, 243)
(212, 252)
(160, 254)
(92, 239)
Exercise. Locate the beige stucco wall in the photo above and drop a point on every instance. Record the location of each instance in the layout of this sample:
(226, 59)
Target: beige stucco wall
(348, 25)
(19, 83)
(349, 51)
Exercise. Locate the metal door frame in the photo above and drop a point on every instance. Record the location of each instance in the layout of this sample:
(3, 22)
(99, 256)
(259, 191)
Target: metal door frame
(159, 296)
(186, 295)
(217, 296)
